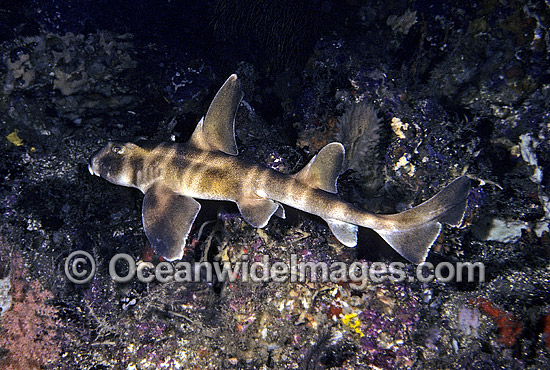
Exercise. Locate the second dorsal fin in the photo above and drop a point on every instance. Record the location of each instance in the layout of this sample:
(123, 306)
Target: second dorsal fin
(323, 170)
(216, 131)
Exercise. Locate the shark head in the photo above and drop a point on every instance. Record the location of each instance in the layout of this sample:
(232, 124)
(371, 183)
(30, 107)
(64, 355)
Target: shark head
(116, 162)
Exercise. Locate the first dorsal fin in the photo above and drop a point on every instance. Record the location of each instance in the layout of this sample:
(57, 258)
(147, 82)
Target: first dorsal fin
(216, 131)
(323, 170)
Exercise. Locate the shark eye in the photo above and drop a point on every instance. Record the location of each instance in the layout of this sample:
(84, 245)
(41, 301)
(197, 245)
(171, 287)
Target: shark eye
(117, 149)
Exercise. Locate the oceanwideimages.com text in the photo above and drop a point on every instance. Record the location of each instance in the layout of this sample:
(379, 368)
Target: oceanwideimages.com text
(80, 268)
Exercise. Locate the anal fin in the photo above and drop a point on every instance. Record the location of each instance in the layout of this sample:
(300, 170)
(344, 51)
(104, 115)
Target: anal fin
(346, 233)
(167, 220)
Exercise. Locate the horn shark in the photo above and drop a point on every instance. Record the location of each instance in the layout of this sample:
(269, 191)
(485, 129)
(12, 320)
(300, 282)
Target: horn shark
(171, 175)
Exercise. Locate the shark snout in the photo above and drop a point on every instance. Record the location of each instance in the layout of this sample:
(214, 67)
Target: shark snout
(93, 166)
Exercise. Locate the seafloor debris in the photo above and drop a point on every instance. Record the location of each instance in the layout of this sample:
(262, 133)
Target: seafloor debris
(5, 297)
(458, 88)
(403, 22)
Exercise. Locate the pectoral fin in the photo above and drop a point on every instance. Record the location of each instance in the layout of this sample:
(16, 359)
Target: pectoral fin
(280, 212)
(258, 211)
(167, 220)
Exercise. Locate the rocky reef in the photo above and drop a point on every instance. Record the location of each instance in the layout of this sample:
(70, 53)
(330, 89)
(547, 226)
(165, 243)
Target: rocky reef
(418, 92)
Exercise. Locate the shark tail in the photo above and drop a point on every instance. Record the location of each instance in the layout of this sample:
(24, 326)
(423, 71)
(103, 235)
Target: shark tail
(413, 232)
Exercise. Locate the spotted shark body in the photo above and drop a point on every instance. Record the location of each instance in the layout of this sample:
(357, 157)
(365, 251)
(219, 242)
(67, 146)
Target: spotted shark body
(172, 175)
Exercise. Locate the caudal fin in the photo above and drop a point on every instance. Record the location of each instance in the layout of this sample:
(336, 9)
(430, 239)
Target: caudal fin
(413, 232)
